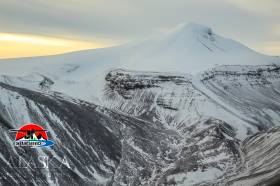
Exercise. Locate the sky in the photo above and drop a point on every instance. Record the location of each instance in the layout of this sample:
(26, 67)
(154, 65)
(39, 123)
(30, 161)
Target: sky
(46, 27)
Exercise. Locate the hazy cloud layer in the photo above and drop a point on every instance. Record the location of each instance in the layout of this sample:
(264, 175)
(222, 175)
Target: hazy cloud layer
(253, 22)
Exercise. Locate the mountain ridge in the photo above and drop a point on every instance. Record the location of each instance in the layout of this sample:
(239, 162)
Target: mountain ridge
(133, 148)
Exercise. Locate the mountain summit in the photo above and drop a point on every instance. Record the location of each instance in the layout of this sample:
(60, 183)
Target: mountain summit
(189, 48)
(187, 29)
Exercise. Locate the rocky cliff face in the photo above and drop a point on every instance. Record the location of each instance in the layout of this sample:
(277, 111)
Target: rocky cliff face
(252, 90)
(216, 128)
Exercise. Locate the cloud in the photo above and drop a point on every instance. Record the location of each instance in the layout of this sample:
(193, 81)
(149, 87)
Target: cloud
(267, 6)
(122, 20)
(19, 45)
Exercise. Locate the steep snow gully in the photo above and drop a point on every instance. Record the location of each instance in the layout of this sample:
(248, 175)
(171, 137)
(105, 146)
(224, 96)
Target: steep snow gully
(186, 108)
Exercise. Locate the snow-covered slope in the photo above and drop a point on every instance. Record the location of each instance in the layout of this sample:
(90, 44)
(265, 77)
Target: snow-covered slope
(120, 147)
(246, 97)
(189, 48)
(185, 108)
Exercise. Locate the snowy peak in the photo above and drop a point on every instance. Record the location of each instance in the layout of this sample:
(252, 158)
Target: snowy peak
(189, 48)
(190, 37)
(191, 30)
(197, 40)
(194, 27)
(191, 40)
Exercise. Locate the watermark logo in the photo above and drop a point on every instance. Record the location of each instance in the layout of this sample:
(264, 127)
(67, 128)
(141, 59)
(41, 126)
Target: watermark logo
(31, 135)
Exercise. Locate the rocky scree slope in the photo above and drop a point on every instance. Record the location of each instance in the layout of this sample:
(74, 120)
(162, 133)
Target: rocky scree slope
(152, 129)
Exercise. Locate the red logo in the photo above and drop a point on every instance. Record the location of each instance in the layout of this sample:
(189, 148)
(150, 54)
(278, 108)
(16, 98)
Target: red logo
(32, 135)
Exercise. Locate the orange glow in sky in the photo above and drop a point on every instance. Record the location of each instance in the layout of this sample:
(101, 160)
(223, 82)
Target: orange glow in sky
(20, 45)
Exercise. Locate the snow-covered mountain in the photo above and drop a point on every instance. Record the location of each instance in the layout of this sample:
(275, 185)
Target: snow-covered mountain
(189, 48)
(186, 108)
